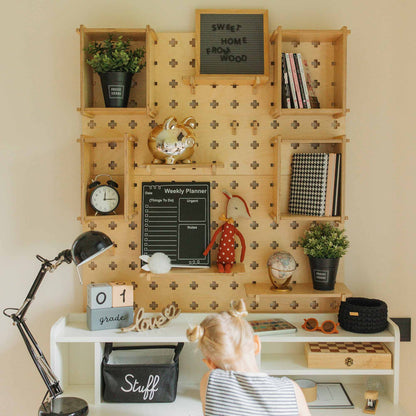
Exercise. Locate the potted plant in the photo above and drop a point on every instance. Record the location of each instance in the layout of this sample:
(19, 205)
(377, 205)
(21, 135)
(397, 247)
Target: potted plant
(324, 244)
(115, 63)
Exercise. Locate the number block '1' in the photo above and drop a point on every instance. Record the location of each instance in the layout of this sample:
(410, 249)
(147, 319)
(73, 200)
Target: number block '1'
(122, 294)
(99, 296)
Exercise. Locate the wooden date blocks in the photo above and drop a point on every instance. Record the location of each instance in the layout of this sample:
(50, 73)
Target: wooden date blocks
(109, 305)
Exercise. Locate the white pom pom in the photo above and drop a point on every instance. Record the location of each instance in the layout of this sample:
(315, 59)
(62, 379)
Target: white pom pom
(159, 263)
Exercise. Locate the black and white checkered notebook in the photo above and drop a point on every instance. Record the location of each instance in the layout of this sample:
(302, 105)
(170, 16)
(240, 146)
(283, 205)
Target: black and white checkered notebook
(308, 184)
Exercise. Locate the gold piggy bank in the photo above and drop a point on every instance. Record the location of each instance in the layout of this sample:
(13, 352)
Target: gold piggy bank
(172, 142)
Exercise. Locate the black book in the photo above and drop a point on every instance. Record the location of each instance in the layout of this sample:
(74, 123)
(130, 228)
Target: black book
(286, 99)
(299, 76)
(337, 186)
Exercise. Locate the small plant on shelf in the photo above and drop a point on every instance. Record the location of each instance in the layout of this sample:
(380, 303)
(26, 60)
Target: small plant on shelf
(324, 244)
(116, 63)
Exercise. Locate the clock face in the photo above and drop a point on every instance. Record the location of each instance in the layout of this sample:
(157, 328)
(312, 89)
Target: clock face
(104, 199)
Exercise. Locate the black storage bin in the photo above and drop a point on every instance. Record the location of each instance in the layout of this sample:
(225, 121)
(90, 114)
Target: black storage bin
(362, 315)
(150, 376)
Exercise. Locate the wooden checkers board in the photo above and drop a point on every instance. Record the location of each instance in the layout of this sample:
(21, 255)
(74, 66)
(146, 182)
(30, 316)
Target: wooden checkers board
(348, 355)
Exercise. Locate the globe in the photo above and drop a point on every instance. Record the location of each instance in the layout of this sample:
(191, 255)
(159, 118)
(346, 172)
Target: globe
(281, 266)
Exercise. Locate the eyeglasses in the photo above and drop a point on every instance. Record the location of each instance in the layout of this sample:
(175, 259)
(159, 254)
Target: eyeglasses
(327, 327)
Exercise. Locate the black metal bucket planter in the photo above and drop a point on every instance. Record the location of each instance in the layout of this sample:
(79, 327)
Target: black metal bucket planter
(324, 272)
(116, 88)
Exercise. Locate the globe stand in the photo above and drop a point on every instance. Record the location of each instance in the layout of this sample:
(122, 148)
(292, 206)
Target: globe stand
(64, 406)
(280, 285)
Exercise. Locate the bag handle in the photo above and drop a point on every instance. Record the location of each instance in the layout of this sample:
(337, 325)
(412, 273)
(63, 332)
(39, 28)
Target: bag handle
(178, 350)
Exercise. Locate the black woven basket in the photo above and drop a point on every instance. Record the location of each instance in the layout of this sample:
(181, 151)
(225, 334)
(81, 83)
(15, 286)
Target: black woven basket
(363, 315)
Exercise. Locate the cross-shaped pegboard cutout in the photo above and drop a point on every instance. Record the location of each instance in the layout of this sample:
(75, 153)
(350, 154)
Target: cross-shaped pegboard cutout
(274, 245)
(214, 144)
(192, 42)
(294, 245)
(294, 145)
(254, 265)
(133, 103)
(316, 43)
(254, 305)
(294, 225)
(254, 184)
(173, 62)
(254, 164)
(295, 124)
(92, 225)
(234, 104)
(254, 225)
(254, 245)
(153, 305)
(173, 103)
(214, 185)
(334, 305)
(234, 144)
(234, 164)
(112, 225)
(173, 285)
(192, 63)
(274, 225)
(153, 124)
(174, 304)
(214, 204)
(92, 124)
(153, 285)
(214, 124)
(315, 63)
(214, 225)
(315, 145)
(335, 124)
(132, 225)
(274, 124)
(193, 285)
(112, 124)
(213, 305)
(315, 83)
(234, 285)
(295, 43)
(193, 305)
(213, 285)
(294, 304)
(234, 185)
(315, 124)
(92, 265)
(214, 104)
(133, 245)
(215, 246)
(112, 165)
(274, 305)
(254, 144)
(254, 204)
(314, 304)
(113, 265)
(133, 265)
(133, 124)
(193, 104)
(254, 104)
(135, 305)
(134, 284)
(173, 83)
(173, 42)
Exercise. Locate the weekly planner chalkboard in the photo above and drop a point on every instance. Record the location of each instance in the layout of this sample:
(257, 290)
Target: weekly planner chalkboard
(232, 42)
(176, 221)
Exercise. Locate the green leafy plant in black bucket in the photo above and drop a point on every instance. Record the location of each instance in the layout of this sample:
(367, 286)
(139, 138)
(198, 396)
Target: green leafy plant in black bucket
(324, 244)
(116, 64)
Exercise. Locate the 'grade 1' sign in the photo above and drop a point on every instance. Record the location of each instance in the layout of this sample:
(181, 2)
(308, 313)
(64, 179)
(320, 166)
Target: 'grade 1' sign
(232, 42)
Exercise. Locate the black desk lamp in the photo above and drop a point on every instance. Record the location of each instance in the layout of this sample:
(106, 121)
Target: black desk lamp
(87, 246)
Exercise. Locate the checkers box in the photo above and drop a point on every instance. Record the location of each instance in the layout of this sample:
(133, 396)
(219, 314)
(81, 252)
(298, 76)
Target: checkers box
(354, 355)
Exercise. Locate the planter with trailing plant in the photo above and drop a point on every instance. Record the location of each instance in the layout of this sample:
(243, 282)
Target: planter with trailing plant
(116, 64)
(324, 244)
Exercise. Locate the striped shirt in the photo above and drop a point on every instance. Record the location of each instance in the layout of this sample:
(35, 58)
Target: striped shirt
(231, 393)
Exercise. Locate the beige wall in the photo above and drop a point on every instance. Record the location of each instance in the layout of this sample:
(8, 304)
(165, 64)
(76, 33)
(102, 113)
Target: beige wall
(40, 161)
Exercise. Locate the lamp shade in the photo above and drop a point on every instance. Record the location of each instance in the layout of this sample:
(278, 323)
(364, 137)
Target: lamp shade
(89, 245)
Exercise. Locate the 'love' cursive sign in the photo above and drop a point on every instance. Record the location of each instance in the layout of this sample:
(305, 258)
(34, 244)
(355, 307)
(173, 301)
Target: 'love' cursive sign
(144, 324)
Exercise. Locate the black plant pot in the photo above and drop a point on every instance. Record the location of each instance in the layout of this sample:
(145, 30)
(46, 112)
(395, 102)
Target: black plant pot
(116, 88)
(324, 272)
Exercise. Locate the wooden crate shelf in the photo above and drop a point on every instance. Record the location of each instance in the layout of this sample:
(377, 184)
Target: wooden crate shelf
(283, 151)
(326, 54)
(112, 156)
(141, 100)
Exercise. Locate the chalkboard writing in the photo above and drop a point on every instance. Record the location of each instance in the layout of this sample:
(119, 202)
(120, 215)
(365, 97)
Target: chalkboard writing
(232, 43)
(176, 221)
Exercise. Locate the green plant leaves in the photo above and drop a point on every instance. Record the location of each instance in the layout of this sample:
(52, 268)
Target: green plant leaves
(115, 56)
(324, 241)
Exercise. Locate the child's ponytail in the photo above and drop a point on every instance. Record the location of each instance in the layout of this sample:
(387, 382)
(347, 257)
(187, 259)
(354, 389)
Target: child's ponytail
(239, 310)
(195, 334)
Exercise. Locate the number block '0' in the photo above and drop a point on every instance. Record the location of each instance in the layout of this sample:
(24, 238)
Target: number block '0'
(99, 296)
(122, 294)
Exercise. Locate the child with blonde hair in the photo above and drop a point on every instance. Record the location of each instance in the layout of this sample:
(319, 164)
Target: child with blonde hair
(234, 385)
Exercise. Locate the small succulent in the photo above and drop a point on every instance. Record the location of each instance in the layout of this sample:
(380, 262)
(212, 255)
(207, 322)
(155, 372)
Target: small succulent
(325, 241)
(115, 56)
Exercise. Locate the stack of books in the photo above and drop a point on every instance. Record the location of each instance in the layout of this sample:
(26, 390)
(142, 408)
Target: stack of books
(315, 184)
(297, 90)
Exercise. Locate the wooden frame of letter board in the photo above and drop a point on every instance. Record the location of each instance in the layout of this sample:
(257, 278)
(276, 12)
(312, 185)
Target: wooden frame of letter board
(231, 79)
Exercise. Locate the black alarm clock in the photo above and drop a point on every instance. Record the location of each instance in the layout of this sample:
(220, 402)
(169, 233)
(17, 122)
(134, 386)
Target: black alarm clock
(104, 198)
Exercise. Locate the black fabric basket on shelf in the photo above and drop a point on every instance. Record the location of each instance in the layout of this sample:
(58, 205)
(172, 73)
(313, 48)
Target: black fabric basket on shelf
(362, 315)
(140, 374)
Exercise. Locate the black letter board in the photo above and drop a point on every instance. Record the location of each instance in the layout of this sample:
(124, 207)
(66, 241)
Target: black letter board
(232, 42)
(176, 221)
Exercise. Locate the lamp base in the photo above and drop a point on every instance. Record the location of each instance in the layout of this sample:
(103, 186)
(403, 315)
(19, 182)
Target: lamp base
(64, 406)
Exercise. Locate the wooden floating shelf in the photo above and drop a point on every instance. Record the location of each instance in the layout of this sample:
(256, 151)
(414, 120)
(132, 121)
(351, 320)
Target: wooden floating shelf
(180, 169)
(335, 112)
(108, 111)
(299, 290)
(203, 272)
